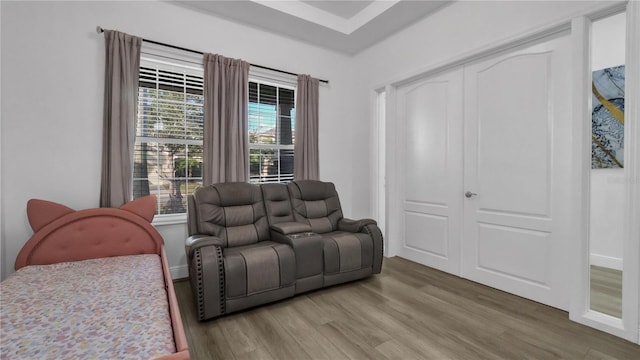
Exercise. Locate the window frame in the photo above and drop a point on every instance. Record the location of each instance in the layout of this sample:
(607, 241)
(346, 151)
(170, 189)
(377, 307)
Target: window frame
(155, 58)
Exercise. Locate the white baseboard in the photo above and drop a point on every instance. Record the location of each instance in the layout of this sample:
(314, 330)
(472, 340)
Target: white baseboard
(179, 272)
(606, 261)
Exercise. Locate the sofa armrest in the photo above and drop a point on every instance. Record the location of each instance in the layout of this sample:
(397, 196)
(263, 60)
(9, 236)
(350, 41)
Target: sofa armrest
(354, 226)
(378, 246)
(206, 274)
(287, 228)
(198, 241)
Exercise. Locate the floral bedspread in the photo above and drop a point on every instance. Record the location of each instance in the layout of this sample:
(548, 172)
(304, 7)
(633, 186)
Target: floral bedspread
(108, 308)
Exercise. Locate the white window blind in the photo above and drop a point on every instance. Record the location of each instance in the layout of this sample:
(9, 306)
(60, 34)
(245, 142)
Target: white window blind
(271, 131)
(169, 128)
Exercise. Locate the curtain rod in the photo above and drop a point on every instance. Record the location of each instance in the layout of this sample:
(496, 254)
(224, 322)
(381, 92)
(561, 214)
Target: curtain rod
(100, 30)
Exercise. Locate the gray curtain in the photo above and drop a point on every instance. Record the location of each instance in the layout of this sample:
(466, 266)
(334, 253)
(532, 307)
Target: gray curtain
(226, 139)
(122, 66)
(305, 157)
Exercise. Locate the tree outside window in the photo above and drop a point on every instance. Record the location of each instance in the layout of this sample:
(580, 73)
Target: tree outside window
(271, 132)
(168, 149)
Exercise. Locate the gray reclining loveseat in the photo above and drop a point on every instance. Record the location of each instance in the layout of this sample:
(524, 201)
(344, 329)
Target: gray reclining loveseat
(253, 244)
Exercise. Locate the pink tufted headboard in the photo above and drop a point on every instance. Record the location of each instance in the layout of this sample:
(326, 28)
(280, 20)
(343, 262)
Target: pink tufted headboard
(62, 234)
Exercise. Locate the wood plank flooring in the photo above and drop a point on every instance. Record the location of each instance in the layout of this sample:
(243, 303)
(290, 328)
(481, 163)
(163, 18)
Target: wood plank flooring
(409, 311)
(606, 291)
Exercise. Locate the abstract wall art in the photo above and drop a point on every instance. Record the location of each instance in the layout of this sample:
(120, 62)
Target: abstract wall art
(607, 116)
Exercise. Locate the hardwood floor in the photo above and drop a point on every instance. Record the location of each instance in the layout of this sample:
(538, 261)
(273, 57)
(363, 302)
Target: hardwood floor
(606, 291)
(409, 311)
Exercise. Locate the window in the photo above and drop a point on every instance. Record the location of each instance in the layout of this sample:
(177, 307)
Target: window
(168, 146)
(271, 132)
(169, 131)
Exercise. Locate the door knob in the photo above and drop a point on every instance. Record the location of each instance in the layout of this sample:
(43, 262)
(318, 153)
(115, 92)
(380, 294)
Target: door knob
(469, 194)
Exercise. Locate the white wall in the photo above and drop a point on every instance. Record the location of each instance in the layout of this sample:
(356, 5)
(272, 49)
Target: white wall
(606, 228)
(460, 28)
(52, 92)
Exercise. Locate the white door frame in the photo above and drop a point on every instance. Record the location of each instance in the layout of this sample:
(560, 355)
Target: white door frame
(379, 163)
(580, 310)
(393, 181)
(393, 205)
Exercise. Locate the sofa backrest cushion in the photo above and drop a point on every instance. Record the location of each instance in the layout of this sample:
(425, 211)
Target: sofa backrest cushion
(277, 203)
(233, 212)
(316, 203)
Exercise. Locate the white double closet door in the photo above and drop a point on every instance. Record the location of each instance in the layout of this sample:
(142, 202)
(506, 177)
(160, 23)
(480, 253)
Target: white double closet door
(484, 157)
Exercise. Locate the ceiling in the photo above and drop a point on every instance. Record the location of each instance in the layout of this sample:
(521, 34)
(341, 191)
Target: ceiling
(344, 9)
(344, 26)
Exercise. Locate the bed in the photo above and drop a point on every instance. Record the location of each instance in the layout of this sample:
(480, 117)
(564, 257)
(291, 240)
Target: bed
(91, 284)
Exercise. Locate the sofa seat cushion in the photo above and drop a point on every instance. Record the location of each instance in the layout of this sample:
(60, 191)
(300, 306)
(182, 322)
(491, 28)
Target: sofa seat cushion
(344, 251)
(256, 268)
